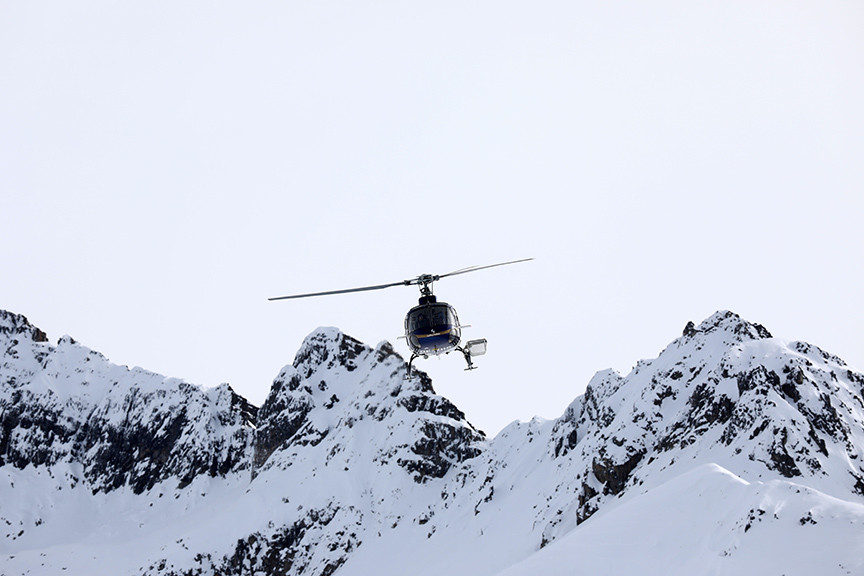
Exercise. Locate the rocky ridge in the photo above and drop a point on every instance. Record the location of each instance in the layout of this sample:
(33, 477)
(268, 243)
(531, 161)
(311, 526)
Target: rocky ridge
(347, 459)
(119, 426)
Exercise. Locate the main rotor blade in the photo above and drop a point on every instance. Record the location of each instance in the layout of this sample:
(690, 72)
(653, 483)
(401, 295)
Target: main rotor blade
(363, 289)
(413, 281)
(475, 268)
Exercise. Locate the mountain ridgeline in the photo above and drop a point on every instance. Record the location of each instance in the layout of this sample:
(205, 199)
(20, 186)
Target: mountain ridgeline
(347, 461)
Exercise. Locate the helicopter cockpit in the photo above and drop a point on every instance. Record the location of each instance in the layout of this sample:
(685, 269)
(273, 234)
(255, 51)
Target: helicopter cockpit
(432, 327)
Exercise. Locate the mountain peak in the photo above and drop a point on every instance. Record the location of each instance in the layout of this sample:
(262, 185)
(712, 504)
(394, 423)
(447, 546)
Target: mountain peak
(725, 391)
(327, 346)
(350, 460)
(337, 383)
(16, 325)
(725, 321)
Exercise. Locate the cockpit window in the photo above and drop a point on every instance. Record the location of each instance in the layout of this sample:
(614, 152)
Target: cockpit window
(431, 317)
(418, 321)
(439, 316)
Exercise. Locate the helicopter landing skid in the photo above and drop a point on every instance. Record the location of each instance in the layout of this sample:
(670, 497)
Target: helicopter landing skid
(465, 353)
(472, 348)
(410, 362)
(467, 356)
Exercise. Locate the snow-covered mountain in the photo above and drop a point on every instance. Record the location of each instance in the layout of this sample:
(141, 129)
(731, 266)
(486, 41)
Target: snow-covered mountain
(731, 452)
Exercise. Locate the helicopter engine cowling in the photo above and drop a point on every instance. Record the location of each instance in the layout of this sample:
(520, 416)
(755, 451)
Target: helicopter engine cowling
(432, 328)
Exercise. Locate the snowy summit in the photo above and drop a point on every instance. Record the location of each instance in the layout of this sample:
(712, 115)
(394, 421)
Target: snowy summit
(731, 452)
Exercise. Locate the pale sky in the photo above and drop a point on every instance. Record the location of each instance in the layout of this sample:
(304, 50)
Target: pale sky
(166, 166)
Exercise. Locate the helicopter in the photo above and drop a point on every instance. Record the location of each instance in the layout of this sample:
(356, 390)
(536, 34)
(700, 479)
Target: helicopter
(432, 328)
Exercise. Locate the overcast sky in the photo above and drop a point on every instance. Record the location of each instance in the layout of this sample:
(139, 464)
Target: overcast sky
(166, 166)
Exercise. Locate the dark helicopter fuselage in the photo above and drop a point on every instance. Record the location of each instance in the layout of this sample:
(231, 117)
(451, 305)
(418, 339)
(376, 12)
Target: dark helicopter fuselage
(432, 327)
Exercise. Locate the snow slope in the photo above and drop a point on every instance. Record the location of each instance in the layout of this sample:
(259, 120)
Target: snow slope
(710, 521)
(732, 451)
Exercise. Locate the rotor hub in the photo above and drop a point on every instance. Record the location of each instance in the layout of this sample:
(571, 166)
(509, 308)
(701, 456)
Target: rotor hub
(425, 282)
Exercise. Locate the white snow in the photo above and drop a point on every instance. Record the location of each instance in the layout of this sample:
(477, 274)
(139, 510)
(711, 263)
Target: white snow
(709, 521)
(702, 488)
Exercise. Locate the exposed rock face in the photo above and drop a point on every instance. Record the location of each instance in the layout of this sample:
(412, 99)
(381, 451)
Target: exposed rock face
(725, 388)
(347, 458)
(68, 404)
(337, 383)
(336, 391)
(122, 429)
